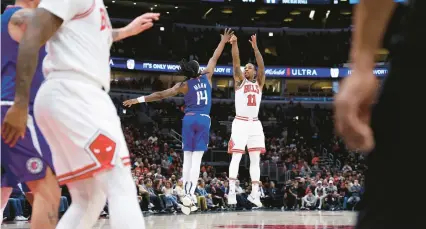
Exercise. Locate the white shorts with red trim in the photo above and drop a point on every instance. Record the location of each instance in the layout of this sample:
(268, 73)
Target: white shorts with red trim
(81, 126)
(246, 132)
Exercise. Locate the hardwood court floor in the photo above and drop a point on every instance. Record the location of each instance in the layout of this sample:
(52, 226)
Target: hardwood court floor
(239, 220)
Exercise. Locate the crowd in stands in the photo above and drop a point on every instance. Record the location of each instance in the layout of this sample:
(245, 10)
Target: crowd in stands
(294, 144)
(307, 49)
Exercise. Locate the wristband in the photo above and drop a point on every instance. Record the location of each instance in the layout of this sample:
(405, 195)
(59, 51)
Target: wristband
(141, 99)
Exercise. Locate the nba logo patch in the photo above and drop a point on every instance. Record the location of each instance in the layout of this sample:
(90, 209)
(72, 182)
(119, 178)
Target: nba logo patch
(34, 165)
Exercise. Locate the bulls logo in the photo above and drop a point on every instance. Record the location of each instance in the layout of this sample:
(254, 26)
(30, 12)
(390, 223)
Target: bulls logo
(103, 149)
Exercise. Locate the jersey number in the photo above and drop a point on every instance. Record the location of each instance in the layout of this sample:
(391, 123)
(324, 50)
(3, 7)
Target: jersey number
(202, 95)
(104, 22)
(251, 100)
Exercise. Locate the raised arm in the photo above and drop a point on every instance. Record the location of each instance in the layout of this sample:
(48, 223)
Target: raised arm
(225, 37)
(238, 74)
(138, 25)
(179, 88)
(260, 75)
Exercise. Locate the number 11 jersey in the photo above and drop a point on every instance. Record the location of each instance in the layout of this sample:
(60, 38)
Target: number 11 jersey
(247, 99)
(198, 99)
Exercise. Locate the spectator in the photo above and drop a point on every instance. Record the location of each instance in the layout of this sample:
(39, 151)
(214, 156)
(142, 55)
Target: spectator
(355, 190)
(309, 201)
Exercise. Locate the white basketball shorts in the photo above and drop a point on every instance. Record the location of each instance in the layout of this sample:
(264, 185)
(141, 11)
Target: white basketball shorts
(246, 132)
(82, 128)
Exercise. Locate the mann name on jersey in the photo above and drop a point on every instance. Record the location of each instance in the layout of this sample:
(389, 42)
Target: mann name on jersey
(200, 86)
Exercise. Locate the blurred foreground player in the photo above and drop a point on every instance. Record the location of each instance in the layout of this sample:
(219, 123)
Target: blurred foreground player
(74, 110)
(197, 90)
(395, 140)
(27, 157)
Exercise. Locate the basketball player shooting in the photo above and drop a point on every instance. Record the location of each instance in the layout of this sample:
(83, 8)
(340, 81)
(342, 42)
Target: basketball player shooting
(197, 89)
(74, 111)
(247, 130)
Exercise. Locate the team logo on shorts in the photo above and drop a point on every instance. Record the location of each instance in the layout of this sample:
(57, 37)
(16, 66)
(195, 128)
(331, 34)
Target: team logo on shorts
(34, 165)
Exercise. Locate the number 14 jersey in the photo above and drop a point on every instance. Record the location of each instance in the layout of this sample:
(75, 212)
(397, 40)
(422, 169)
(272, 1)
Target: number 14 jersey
(198, 99)
(247, 99)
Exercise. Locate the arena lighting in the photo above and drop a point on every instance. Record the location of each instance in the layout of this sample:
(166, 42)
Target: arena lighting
(167, 12)
(176, 7)
(312, 14)
(113, 1)
(227, 11)
(155, 5)
(288, 19)
(261, 12)
(134, 3)
(271, 34)
(295, 12)
(328, 13)
(161, 28)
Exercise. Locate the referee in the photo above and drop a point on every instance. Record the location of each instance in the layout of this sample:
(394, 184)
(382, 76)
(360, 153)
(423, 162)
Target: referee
(392, 132)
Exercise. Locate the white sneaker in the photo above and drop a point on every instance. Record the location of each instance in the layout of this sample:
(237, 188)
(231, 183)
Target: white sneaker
(187, 201)
(232, 198)
(194, 208)
(185, 210)
(255, 200)
(20, 218)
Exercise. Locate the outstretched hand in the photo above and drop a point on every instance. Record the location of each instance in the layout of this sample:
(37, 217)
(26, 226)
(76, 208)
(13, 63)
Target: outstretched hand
(226, 36)
(253, 41)
(142, 23)
(233, 39)
(130, 102)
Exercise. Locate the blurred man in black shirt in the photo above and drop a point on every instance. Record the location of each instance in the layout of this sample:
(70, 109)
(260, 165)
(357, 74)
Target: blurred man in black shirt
(397, 118)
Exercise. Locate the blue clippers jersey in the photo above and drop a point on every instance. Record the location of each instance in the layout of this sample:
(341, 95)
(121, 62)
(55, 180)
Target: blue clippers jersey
(199, 97)
(9, 55)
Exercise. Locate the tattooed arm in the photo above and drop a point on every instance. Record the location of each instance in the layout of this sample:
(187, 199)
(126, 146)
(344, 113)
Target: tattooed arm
(179, 88)
(39, 30)
(138, 25)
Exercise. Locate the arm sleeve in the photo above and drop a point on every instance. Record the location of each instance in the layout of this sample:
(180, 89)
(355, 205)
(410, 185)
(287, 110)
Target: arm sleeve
(68, 9)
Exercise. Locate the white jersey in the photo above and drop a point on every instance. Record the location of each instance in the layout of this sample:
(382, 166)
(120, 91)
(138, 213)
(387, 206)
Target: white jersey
(247, 99)
(81, 46)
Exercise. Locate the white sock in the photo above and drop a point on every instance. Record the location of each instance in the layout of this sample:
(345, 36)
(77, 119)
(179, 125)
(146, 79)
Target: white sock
(197, 156)
(88, 200)
(123, 204)
(186, 170)
(255, 171)
(5, 194)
